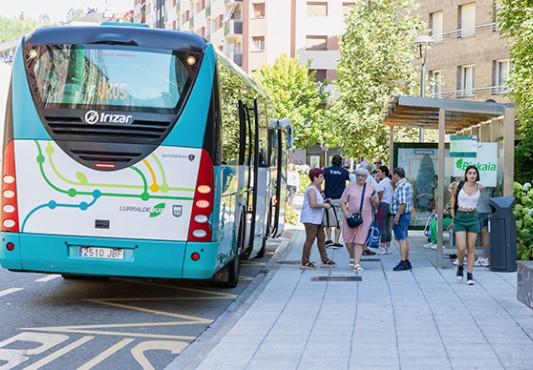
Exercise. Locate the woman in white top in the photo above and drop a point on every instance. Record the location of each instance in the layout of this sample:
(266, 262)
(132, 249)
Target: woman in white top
(465, 220)
(293, 182)
(384, 215)
(311, 216)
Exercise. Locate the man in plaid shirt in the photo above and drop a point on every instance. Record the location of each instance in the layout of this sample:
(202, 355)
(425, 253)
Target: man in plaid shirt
(402, 204)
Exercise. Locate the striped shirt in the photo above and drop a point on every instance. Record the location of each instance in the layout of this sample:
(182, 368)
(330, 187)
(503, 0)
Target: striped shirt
(402, 194)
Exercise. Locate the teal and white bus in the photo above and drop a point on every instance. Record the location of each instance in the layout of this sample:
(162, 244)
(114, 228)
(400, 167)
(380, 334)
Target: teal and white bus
(131, 151)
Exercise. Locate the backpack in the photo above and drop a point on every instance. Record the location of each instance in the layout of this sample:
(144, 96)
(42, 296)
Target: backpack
(457, 190)
(373, 239)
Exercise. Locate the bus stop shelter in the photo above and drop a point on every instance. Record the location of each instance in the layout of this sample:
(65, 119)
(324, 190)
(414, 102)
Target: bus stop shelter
(488, 120)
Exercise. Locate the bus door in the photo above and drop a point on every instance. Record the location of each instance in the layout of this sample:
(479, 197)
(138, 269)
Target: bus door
(246, 162)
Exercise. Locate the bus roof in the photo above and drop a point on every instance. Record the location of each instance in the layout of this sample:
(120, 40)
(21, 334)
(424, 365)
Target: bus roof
(138, 36)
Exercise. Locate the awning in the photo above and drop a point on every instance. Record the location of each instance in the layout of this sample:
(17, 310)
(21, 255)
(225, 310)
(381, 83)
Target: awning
(414, 112)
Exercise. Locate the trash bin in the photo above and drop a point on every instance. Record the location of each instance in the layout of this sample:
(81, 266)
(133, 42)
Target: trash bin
(502, 235)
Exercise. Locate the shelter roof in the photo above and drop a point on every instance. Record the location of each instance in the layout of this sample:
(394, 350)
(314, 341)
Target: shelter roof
(409, 111)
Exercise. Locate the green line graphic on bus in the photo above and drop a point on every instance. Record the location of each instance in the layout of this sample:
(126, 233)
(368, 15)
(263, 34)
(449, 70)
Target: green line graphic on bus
(147, 188)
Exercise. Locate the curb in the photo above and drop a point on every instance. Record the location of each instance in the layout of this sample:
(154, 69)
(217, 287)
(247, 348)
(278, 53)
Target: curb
(195, 352)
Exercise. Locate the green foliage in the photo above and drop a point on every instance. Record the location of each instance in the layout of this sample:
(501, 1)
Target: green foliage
(376, 55)
(523, 159)
(292, 217)
(296, 95)
(523, 210)
(515, 20)
(12, 29)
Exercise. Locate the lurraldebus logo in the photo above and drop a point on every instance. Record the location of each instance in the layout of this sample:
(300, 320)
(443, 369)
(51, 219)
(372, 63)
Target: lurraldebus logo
(482, 167)
(152, 211)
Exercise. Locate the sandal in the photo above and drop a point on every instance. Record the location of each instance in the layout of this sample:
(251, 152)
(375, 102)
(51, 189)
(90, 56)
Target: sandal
(368, 253)
(328, 263)
(308, 265)
(357, 267)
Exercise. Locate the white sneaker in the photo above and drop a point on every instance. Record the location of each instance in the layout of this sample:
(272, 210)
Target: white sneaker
(482, 262)
(389, 250)
(433, 246)
(455, 262)
(428, 245)
(382, 250)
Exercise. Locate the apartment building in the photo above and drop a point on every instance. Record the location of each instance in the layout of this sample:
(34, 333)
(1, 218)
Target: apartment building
(256, 32)
(469, 60)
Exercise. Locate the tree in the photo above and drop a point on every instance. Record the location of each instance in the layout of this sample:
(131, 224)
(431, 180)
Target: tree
(296, 95)
(12, 29)
(515, 23)
(375, 63)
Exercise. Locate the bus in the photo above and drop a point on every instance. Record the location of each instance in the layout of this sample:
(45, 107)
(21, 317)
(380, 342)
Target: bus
(137, 152)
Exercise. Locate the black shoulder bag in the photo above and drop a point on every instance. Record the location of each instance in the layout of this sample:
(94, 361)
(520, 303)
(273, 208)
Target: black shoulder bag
(356, 219)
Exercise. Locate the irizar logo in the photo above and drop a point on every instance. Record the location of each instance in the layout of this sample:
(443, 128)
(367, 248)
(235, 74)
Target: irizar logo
(92, 117)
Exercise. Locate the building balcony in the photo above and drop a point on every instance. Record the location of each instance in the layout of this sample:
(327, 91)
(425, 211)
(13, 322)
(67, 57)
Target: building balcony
(233, 28)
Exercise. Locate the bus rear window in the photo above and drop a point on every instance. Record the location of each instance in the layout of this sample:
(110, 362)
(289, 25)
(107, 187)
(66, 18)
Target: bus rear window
(125, 78)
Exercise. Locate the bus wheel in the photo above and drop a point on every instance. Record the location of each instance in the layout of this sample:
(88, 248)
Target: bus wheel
(228, 277)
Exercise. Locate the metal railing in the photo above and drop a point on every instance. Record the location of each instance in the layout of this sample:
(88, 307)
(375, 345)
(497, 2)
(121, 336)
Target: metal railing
(460, 94)
(459, 33)
(233, 27)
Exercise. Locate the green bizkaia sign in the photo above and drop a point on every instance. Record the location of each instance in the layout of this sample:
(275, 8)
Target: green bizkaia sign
(486, 162)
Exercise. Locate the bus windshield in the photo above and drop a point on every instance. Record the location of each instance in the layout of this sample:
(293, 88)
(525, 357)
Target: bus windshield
(126, 78)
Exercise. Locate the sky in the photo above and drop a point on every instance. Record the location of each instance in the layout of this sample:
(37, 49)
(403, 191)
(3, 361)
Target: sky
(57, 9)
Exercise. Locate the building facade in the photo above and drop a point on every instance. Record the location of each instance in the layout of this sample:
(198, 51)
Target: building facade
(256, 32)
(469, 60)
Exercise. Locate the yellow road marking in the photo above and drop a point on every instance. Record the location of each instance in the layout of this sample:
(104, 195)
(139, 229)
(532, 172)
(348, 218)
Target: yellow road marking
(198, 320)
(39, 364)
(138, 351)
(108, 352)
(67, 329)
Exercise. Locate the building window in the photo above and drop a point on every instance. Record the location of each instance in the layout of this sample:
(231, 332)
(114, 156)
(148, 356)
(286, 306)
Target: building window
(185, 17)
(218, 22)
(347, 7)
(201, 31)
(173, 25)
(501, 74)
(435, 23)
(436, 84)
(259, 10)
(317, 9)
(320, 74)
(258, 43)
(316, 43)
(467, 81)
(467, 20)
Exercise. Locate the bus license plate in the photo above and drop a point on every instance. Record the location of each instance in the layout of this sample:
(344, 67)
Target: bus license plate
(105, 253)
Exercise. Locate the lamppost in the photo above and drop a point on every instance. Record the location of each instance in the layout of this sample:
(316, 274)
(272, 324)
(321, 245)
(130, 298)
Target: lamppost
(422, 43)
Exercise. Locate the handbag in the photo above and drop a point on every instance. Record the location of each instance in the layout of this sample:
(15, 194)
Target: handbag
(373, 239)
(356, 219)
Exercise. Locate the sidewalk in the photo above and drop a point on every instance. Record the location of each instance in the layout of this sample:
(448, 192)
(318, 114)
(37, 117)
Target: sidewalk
(418, 319)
